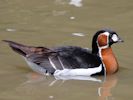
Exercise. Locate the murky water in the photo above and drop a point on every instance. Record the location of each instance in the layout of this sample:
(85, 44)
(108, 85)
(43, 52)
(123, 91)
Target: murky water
(63, 22)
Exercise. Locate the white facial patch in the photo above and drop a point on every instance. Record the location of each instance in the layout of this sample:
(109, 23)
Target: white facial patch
(115, 38)
(106, 33)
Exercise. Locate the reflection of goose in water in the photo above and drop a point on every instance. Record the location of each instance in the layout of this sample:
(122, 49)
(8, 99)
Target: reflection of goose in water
(103, 89)
(34, 77)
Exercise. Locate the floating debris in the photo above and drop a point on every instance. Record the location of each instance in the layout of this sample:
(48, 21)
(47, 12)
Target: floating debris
(78, 34)
(10, 30)
(72, 17)
(77, 3)
(51, 97)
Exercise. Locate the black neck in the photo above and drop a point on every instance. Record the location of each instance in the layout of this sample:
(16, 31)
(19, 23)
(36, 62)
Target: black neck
(95, 49)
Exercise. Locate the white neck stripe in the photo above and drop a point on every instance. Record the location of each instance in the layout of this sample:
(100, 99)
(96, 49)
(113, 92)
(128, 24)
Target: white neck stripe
(103, 47)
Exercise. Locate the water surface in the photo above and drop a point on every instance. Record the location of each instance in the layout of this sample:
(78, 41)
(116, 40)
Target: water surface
(53, 23)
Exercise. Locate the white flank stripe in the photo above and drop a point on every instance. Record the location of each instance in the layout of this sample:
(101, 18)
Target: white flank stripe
(53, 65)
(61, 63)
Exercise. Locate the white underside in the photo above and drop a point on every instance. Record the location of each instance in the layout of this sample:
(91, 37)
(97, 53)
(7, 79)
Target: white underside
(78, 72)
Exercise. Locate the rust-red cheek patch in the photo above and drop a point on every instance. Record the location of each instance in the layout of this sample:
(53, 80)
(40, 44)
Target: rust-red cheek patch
(102, 40)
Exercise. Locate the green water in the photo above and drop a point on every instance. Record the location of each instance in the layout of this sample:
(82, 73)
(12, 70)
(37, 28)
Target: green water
(51, 23)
